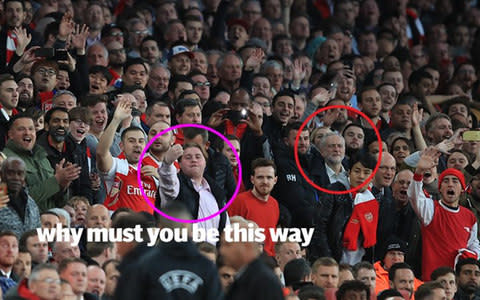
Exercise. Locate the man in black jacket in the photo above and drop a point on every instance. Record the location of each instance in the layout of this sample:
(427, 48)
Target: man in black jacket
(255, 280)
(198, 192)
(173, 270)
(348, 224)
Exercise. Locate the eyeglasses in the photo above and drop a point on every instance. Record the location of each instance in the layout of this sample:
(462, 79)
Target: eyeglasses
(115, 34)
(200, 84)
(138, 32)
(116, 51)
(48, 72)
(50, 280)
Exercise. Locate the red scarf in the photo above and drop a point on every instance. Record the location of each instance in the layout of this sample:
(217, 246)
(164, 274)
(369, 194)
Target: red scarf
(11, 46)
(322, 7)
(364, 218)
(238, 131)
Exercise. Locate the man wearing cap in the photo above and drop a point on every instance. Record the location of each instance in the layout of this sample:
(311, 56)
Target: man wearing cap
(237, 33)
(180, 60)
(394, 252)
(449, 231)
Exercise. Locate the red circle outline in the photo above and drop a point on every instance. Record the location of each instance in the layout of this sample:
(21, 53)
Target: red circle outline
(297, 160)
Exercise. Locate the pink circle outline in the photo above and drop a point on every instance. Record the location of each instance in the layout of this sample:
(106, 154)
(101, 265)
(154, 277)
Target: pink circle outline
(139, 167)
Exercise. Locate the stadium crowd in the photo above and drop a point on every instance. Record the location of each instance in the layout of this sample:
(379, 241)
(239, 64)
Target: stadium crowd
(86, 85)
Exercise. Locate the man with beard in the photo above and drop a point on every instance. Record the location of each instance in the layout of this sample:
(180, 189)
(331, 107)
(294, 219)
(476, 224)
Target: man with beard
(161, 156)
(257, 204)
(41, 180)
(8, 104)
(292, 190)
(354, 135)
(120, 174)
(441, 220)
(116, 59)
(25, 92)
(58, 147)
(467, 273)
(21, 213)
(95, 21)
(327, 167)
(8, 254)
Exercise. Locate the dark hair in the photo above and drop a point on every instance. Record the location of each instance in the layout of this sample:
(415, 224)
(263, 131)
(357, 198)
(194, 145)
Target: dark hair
(95, 249)
(191, 132)
(296, 270)
(16, 117)
(463, 262)
(363, 90)
(22, 243)
(102, 71)
(283, 93)
(395, 267)
(149, 109)
(361, 265)
(49, 113)
(131, 128)
(67, 261)
(426, 289)
(7, 1)
(388, 294)
(292, 126)
(51, 29)
(182, 104)
(172, 84)
(6, 77)
(352, 285)
(132, 219)
(134, 61)
(80, 113)
(186, 93)
(441, 271)
(263, 162)
(417, 76)
(311, 292)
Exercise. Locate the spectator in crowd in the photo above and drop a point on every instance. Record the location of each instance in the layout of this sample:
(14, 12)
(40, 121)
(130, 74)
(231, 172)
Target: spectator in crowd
(74, 270)
(43, 182)
(451, 185)
(365, 272)
(430, 290)
(38, 250)
(285, 252)
(111, 274)
(8, 254)
(246, 255)
(64, 250)
(96, 281)
(467, 273)
(9, 95)
(23, 266)
(226, 274)
(353, 289)
(446, 277)
(401, 278)
(258, 205)
(49, 219)
(297, 274)
(44, 283)
(21, 212)
(325, 273)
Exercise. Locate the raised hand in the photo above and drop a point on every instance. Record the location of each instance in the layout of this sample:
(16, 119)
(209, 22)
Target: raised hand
(66, 26)
(216, 118)
(66, 173)
(79, 37)
(445, 146)
(457, 137)
(123, 110)
(23, 39)
(70, 62)
(173, 154)
(299, 71)
(417, 115)
(428, 160)
(321, 98)
(254, 60)
(330, 116)
(254, 123)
